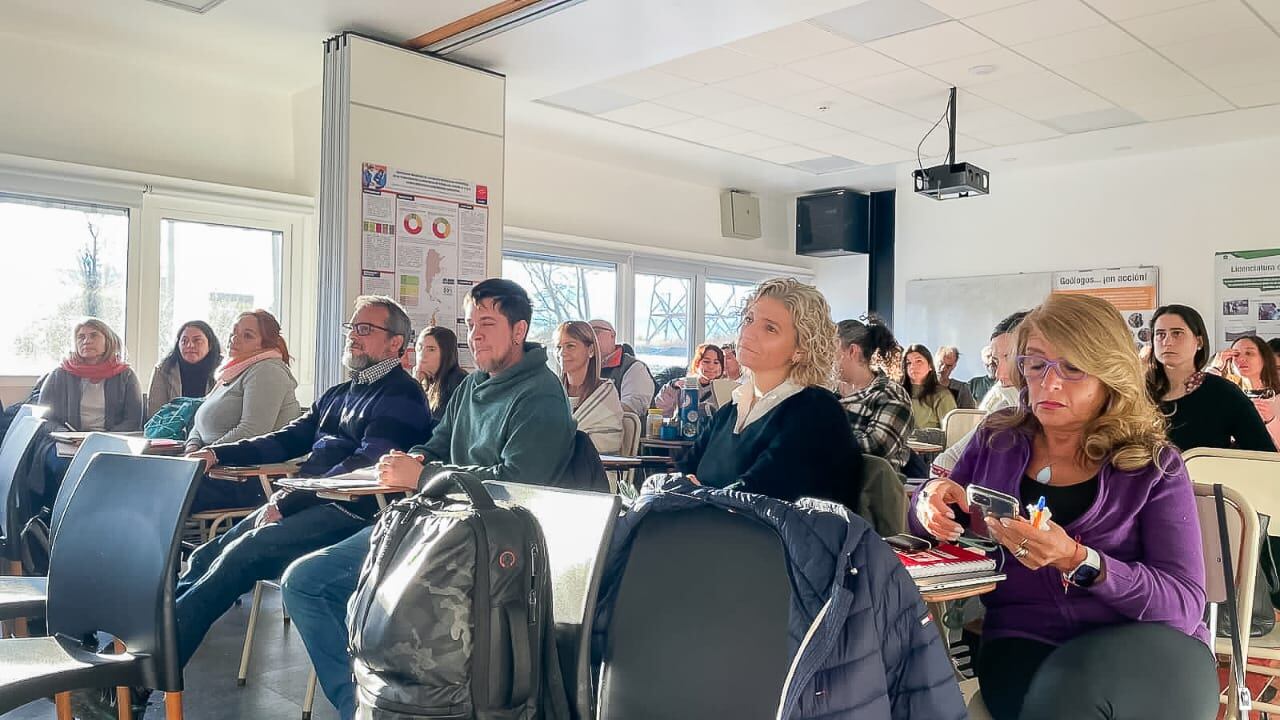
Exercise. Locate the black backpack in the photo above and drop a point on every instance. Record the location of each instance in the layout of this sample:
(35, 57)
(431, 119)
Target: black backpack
(452, 614)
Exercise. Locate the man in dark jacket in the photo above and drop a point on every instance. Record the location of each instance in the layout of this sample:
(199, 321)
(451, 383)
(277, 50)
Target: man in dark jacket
(379, 410)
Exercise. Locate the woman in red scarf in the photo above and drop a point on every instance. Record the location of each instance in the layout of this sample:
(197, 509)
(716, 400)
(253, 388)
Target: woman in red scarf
(94, 389)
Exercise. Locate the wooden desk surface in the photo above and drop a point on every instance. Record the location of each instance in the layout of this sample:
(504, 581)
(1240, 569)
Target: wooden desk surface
(924, 448)
(247, 472)
(942, 596)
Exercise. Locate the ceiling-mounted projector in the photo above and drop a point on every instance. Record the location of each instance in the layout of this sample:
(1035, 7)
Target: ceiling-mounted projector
(951, 179)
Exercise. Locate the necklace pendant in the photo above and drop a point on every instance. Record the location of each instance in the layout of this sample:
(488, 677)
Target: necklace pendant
(1045, 474)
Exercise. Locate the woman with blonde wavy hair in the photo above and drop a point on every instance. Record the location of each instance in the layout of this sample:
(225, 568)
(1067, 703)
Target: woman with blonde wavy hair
(1104, 598)
(785, 434)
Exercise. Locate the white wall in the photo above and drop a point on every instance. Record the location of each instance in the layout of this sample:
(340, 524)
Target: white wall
(1173, 210)
(75, 105)
(843, 280)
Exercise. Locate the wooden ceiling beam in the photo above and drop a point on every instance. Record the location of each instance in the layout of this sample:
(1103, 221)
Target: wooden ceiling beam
(461, 25)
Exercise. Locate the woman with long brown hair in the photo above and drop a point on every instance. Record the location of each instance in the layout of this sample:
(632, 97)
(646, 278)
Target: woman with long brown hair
(708, 366)
(1251, 364)
(596, 407)
(930, 399)
(437, 368)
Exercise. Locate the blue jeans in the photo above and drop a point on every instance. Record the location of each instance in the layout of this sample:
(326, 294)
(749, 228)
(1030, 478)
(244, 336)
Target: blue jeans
(316, 591)
(226, 568)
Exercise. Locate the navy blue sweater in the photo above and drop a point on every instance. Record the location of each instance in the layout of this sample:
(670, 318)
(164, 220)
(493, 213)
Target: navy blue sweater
(348, 428)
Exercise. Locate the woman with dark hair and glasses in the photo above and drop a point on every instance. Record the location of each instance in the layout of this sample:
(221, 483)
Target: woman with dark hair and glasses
(1103, 602)
(1203, 410)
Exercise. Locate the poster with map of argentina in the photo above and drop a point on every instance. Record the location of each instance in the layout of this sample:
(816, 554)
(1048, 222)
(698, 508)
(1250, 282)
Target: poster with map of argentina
(440, 229)
(1247, 295)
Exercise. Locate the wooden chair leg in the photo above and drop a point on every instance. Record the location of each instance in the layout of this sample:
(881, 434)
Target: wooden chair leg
(309, 701)
(62, 701)
(247, 650)
(173, 706)
(124, 695)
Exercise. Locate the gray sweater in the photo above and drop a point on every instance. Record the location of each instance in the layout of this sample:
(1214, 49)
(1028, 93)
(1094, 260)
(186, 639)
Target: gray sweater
(123, 395)
(258, 401)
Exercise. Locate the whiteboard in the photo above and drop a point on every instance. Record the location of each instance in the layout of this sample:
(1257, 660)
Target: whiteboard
(963, 311)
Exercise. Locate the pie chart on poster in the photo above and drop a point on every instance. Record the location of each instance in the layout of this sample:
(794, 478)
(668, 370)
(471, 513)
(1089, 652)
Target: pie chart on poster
(413, 223)
(440, 228)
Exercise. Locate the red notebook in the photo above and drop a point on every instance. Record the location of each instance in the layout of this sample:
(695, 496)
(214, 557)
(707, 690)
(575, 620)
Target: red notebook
(945, 560)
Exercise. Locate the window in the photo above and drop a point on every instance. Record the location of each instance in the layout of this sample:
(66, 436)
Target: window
(214, 273)
(563, 289)
(65, 261)
(662, 320)
(722, 309)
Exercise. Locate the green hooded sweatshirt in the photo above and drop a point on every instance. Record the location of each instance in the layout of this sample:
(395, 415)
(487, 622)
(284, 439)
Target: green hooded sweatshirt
(515, 426)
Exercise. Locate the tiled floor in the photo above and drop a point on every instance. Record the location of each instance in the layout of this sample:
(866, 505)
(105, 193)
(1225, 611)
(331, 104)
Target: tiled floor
(277, 674)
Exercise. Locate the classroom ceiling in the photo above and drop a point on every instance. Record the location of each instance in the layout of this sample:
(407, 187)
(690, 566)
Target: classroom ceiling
(770, 95)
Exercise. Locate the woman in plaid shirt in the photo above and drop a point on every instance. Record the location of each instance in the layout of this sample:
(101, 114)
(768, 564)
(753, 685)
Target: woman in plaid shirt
(879, 408)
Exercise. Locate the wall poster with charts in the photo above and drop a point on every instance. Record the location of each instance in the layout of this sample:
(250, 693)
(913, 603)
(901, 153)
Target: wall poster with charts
(1246, 295)
(1133, 291)
(425, 243)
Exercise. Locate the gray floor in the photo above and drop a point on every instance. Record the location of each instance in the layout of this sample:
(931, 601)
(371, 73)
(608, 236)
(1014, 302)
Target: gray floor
(277, 674)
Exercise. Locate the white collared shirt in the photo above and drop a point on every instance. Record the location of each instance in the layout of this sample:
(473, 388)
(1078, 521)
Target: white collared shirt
(753, 405)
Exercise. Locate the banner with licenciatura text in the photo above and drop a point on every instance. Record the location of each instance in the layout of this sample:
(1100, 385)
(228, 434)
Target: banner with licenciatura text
(1247, 293)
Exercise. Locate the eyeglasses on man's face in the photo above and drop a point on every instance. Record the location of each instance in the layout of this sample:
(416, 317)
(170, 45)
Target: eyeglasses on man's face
(365, 328)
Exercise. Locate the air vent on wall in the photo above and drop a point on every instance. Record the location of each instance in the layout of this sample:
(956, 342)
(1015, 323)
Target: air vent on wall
(198, 7)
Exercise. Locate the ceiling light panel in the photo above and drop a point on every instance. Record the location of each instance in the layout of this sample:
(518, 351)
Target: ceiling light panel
(877, 19)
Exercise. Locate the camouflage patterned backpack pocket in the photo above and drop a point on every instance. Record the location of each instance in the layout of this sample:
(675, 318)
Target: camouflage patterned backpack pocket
(451, 617)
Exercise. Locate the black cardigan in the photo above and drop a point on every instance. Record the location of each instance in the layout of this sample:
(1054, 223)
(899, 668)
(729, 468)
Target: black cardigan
(1216, 415)
(800, 448)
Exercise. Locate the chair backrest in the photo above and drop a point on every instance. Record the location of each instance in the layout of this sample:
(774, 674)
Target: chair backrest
(29, 410)
(884, 496)
(958, 423)
(1243, 535)
(578, 527)
(93, 444)
(630, 434)
(1255, 474)
(113, 566)
(694, 634)
(585, 470)
(15, 456)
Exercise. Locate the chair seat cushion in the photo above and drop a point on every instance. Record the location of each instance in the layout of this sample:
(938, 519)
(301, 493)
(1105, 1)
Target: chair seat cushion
(32, 668)
(22, 597)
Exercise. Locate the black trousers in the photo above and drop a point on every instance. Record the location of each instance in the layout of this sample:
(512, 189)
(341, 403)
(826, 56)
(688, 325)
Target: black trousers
(1124, 672)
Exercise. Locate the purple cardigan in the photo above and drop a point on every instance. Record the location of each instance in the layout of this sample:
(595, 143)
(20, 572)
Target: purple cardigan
(1143, 524)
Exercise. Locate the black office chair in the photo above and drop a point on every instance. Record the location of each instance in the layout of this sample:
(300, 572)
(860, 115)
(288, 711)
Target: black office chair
(24, 597)
(699, 623)
(112, 570)
(15, 458)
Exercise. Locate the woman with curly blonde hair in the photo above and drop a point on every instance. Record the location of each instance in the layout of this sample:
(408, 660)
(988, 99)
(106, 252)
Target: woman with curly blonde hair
(1113, 575)
(785, 434)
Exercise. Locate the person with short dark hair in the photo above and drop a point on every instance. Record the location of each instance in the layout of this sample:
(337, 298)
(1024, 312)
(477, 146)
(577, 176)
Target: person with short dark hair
(930, 400)
(187, 371)
(349, 427)
(1204, 410)
(631, 378)
(508, 421)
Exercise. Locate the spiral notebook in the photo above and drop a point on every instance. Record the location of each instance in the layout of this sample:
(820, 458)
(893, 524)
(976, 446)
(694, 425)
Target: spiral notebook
(945, 560)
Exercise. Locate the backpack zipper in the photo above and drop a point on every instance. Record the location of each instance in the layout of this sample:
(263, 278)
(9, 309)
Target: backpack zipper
(533, 583)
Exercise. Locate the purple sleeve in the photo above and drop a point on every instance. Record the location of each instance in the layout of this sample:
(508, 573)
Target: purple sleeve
(1167, 584)
(960, 474)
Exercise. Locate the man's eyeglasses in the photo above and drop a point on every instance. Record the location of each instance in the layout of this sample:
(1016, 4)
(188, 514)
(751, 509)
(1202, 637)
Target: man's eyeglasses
(1036, 367)
(362, 329)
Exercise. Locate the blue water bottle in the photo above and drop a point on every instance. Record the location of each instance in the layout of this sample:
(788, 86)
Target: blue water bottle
(689, 414)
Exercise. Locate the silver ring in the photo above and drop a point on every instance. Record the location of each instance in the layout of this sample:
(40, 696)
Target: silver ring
(1021, 553)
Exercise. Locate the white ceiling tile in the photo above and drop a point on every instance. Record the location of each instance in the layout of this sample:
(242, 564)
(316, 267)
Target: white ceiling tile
(791, 43)
(1268, 9)
(744, 142)
(988, 118)
(1092, 44)
(907, 135)
(827, 164)
(771, 84)
(757, 117)
(1096, 120)
(645, 115)
(831, 98)
(1195, 21)
(698, 130)
(1037, 84)
(969, 8)
(846, 65)
(1167, 109)
(591, 99)
(787, 154)
(705, 100)
(647, 84)
(1126, 78)
(875, 19)
(862, 148)
(1015, 133)
(902, 86)
(1254, 95)
(1047, 107)
(1238, 74)
(804, 130)
(1253, 45)
(868, 117)
(1035, 20)
(934, 44)
(1125, 9)
(1001, 65)
(931, 108)
(713, 65)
